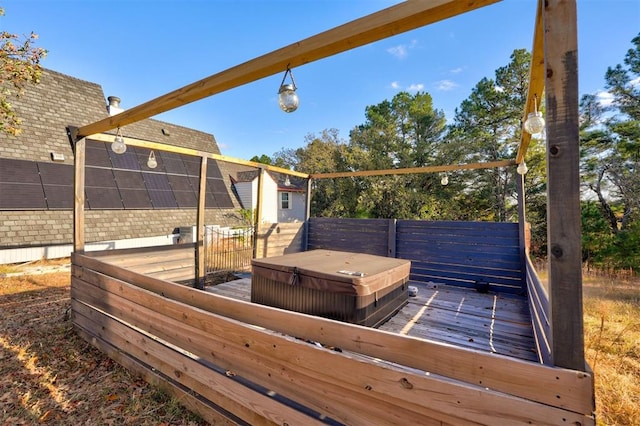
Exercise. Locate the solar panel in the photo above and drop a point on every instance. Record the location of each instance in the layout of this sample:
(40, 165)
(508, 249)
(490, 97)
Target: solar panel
(135, 199)
(163, 199)
(180, 183)
(158, 181)
(173, 163)
(129, 180)
(96, 154)
(18, 171)
(127, 160)
(213, 170)
(186, 199)
(21, 196)
(59, 196)
(217, 186)
(101, 178)
(192, 164)
(56, 174)
(103, 198)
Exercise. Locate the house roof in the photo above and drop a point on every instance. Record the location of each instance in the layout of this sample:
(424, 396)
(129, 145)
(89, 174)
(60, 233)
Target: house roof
(59, 100)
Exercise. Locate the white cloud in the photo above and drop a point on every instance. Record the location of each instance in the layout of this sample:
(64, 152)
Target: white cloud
(401, 51)
(456, 70)
(415, 87)
(395, 85)
(635, 82)
(604, 98)
(499, 89)
(446, 85)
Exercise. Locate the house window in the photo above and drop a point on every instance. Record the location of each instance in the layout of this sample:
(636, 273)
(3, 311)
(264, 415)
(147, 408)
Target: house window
(285, 200)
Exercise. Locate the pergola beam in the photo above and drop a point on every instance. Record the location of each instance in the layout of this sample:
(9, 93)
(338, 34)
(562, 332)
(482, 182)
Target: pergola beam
(536, 81)
(388, 22)
(102, 137)
(415, 170)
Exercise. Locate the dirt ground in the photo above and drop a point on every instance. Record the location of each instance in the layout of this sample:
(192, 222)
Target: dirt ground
(49, 375)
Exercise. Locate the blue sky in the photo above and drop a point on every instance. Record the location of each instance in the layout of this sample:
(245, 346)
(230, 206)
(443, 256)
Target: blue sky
(141, 49)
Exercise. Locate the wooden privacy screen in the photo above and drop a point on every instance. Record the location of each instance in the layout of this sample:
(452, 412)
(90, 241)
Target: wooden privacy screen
(238, 362)
(444, 252)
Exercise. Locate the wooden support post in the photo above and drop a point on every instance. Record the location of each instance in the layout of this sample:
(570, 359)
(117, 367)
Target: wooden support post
(307, 215)
(259, 200)
(522, 221)
(78, 195)
(199, 249)
(563, 174)
(391, 240)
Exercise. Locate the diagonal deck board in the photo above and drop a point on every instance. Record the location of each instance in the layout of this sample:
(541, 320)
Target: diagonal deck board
(489, 322)
(459, 316)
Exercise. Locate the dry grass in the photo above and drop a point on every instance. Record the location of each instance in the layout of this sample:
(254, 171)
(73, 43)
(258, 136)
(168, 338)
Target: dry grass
(49, 375)
(612, 343)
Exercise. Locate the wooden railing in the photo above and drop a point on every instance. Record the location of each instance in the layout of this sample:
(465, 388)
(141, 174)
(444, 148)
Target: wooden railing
(237, 362)
(540, 316)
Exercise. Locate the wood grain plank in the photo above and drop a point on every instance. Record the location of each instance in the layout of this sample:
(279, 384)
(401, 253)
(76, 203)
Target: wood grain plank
(442, 396)
(572, 389)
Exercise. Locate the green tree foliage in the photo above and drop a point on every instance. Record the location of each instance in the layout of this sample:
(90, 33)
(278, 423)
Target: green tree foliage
(19, 65)
(610, 151)
(404, 132)
(487, 127)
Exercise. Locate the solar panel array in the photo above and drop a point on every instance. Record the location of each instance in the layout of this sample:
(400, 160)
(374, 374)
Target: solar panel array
(112, 181)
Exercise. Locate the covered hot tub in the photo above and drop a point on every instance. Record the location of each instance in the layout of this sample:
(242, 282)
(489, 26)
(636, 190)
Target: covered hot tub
(353, 287)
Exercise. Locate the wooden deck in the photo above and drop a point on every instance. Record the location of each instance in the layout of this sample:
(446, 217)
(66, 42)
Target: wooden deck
(492, 322)
(458, 316)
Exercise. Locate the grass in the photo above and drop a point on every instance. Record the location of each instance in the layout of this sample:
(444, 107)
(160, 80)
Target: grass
(49, 375)
(612, 347)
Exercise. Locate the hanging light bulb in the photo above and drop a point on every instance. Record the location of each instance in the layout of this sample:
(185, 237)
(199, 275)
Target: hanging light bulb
(287, 97)
(534, 122)
(287, 181)
(522, 168)
(445, 180)
(151, 162)
(118, 146)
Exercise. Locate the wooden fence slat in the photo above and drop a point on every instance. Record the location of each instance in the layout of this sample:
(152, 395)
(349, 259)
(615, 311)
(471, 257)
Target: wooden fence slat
(216, 343)
(184, 395)
(232, 396)
(453, 399)
(512, 376)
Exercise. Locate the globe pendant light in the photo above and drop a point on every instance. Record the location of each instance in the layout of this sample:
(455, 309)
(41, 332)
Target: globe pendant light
(534, 122)
(118, 146)
(522, 168)
(151, 162)
(287, 97)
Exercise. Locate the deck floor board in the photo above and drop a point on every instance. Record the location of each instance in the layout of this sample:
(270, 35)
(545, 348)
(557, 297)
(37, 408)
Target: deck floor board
(459, 316)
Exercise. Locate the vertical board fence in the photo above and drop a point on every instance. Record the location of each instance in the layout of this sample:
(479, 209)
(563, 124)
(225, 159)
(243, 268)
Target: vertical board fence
(276, 239)
(484, 255)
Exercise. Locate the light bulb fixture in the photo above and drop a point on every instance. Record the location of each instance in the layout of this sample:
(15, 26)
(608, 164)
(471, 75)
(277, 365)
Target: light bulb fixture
(151, 162)
(534, 122)
(287, 182)
(118, 146)
(445, 180)
(287, 97)
(522, 168)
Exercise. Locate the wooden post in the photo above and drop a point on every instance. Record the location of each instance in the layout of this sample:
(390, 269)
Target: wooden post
(522, 220)
(259, 199)
(563, 174)
(307, 215)
(199, 249)
(391, 238)
(78, 195)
